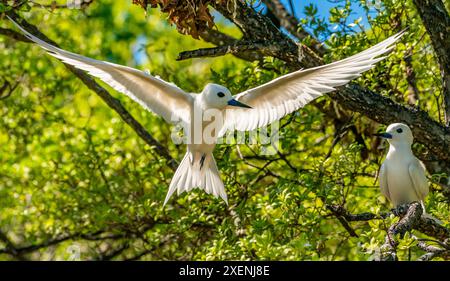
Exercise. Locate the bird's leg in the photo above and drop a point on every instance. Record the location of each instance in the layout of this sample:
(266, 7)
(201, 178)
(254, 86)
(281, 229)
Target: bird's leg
(399, 210)
(202, 161)
(192, 158)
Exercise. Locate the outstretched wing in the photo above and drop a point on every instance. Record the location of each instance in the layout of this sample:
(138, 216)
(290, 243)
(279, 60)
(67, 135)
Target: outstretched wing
(418, 178)
(154, 94)
(290, 92)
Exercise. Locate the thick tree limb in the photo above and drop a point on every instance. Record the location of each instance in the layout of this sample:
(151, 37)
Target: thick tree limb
(105, 96)
(432, 228)
(406, 223)
(257, 27)
(436, 20)
(220, 39)
(413, 91)
(238, 47)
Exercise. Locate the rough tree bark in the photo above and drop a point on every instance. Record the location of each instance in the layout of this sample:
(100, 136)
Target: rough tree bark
(406, 223)
(258, 28)
(436, 20)
(291, 24)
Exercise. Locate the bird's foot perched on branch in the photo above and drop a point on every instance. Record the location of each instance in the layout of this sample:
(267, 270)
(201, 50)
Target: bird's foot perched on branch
(400, 210)
(410, 215)
(412, 218)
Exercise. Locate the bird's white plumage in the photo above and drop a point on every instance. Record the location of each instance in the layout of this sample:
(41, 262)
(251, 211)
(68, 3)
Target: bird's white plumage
(419, 179)
(154, 94)
(383, 182)
(270, 102)
(286, 94)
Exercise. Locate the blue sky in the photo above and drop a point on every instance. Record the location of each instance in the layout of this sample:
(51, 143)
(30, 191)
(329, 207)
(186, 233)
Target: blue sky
(323, 7)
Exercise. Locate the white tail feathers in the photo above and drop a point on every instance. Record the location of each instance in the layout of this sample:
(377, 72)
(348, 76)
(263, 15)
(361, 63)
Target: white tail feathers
(201, 173)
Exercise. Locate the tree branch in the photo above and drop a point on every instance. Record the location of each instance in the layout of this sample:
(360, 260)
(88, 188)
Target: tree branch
(432, 251)
(18, 251)
(413, 91)
(220, 39)
(406, 223)
(342, 219)
(69, 5)
(235, 48)
(14, 35)
(291, 24)
(432, 228)
(257, 27)
(436, 20)
(411, 218)
(128, 231)
(105, 96)
(367, 216)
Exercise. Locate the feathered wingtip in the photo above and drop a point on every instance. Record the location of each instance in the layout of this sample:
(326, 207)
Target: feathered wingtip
(401, 33)
(46, 45)
(26, 33)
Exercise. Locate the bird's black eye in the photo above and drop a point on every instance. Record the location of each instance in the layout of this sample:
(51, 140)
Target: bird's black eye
(399, 130)
(220, 94)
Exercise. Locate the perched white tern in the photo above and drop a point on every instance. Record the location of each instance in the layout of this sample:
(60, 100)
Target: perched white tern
(402, 175)
(249, 110)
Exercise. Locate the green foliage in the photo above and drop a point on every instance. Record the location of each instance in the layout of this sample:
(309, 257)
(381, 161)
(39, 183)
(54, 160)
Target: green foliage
(69, 166)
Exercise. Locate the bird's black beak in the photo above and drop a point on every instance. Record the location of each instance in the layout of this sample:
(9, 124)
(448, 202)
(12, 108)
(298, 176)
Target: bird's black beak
(234, 102)
(384, 135)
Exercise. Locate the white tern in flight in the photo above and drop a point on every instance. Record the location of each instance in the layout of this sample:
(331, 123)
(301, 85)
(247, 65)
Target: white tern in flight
(402, 175)
(248, 110)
